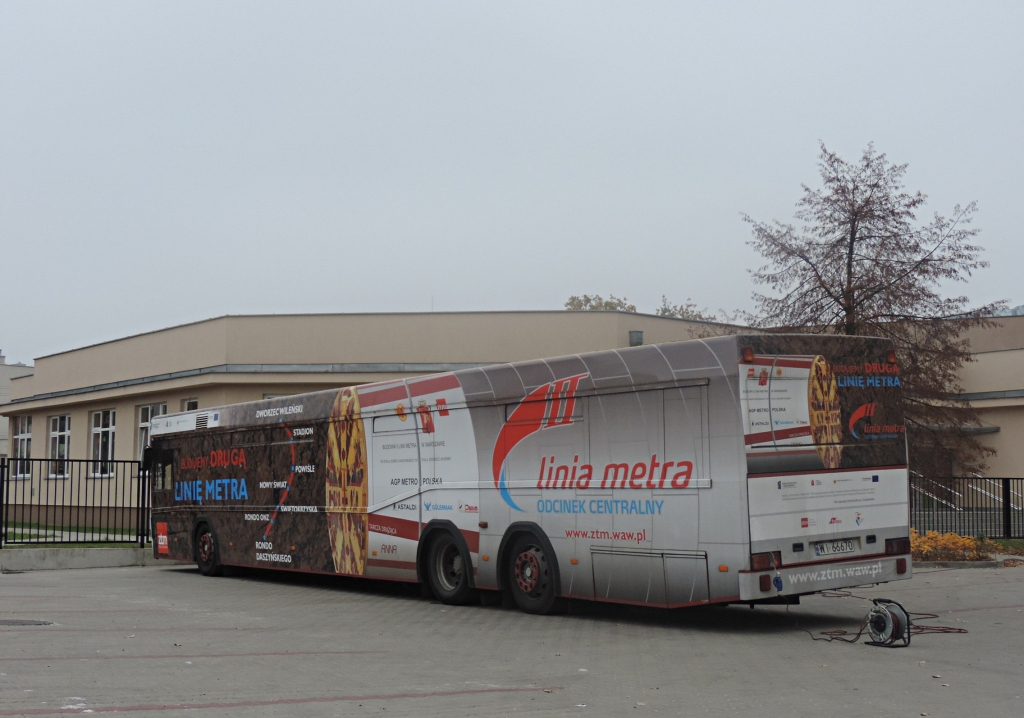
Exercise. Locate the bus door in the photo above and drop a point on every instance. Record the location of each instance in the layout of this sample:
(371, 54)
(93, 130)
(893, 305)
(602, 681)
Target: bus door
(449, 471)
(685, 468)
(626, 443)
(394, 519)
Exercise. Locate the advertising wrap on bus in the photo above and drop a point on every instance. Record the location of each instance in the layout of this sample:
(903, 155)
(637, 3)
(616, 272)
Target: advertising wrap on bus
(643, 475)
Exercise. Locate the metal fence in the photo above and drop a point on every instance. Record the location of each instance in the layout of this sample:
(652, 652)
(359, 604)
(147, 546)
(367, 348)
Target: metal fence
(53, 501)
(968, 506)
(44, 501)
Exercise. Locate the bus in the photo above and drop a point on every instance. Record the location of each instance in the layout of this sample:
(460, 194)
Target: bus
(736, 469)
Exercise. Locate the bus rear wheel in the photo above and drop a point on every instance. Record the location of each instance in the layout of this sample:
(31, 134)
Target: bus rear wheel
(207, 553)
(531, 577)
(448, 569)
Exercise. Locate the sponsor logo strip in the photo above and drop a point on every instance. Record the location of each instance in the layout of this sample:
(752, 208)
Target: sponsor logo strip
(818, 471)
(781, 434)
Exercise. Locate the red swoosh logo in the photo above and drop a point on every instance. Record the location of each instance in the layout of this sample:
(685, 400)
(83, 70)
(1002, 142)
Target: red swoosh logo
(862, 411)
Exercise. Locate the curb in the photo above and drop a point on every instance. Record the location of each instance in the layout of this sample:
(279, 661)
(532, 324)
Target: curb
(47, 559)
(958, 564)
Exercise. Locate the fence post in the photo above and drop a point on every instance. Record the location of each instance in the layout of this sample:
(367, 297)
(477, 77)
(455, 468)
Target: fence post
(3, 502)
(143, 514)
(1007, 524)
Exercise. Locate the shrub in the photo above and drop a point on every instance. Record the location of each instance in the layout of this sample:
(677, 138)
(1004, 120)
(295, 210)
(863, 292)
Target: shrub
(934, 546)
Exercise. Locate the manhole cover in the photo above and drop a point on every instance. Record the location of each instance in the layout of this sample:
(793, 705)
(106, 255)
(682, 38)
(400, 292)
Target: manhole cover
(23, 622)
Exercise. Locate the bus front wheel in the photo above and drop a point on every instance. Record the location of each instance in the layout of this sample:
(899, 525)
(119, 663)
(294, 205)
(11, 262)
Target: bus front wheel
(531, 577)
(207, 553)
(448, 569)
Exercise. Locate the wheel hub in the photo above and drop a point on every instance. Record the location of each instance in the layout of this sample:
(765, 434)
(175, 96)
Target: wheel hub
(450, 568)
(205, 547)
(527, 571)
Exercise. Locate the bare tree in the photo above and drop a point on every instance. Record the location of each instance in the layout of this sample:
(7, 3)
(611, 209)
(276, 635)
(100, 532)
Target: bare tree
(862, 264)
(686, 310)
(598, 303)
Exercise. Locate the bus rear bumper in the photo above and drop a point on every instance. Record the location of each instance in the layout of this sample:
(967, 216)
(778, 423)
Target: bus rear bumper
(793, 581)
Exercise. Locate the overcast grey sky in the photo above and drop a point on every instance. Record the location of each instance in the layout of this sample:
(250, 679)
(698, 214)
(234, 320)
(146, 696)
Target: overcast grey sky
(167, 162)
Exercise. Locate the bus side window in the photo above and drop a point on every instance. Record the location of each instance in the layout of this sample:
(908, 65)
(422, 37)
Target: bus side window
(163, 479)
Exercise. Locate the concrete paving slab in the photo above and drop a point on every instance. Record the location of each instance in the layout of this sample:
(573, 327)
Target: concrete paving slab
(162, 639)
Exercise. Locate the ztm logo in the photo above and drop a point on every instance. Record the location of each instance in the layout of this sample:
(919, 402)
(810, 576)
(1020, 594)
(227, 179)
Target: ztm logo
(547, 407)
(863, 411)
(804, 522)
(162, 544)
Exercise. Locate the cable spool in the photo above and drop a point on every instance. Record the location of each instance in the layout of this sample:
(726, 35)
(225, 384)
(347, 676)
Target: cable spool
(887, 623)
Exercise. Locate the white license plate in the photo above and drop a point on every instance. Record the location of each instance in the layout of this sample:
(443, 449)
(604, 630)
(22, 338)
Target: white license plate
(833, 548)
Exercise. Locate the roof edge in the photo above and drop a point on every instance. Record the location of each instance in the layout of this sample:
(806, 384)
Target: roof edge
(382, 314)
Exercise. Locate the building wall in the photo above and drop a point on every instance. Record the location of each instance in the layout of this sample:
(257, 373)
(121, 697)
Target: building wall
(466, 337)
(126, 434)
(994, 385)
(257, 356)
(7, 373)
(282, 354)
(1008, 442)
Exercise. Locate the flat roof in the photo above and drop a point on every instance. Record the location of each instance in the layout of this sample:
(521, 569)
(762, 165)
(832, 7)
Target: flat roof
(515, 312)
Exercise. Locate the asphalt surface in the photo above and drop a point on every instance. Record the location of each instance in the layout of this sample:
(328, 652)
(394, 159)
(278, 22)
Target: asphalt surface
(160, 640)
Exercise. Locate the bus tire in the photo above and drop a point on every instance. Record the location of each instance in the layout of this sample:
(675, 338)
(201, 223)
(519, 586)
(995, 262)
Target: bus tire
(207, 551)
(531, 576)
(448, 569)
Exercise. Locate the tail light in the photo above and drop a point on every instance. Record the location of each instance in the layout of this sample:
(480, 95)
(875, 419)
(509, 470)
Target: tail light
(764, 582)
(765, 561)
(895, 547)
(901, 566)
(748, 355)
(891, 356)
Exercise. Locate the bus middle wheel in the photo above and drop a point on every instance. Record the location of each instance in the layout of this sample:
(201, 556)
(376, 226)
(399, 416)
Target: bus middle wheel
(207, 553)
(448, 569)
(531, 577)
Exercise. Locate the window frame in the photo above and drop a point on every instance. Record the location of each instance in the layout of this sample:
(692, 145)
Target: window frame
(102, 467)
(145, 415)
(57, 437)
(21, 447)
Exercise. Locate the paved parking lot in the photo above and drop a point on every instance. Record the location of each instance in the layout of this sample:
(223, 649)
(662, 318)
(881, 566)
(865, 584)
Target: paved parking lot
(159, 640)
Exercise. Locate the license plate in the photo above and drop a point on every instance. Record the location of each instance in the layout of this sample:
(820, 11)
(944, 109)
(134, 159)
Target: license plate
(833, 548)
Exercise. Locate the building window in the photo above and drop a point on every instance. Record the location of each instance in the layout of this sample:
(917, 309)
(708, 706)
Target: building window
(103, 442)
(146, 415)
(21, 443)
(190, 404)
(60, 439)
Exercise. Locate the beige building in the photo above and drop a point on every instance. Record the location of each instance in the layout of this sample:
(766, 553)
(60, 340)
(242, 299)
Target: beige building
(8, 372)
(96, 402)
(994, 385)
